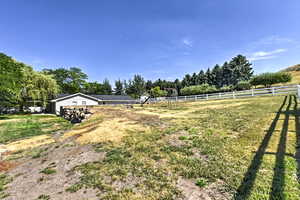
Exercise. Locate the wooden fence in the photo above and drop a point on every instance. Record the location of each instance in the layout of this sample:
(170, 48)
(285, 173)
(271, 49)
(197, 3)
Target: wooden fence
(273, 91)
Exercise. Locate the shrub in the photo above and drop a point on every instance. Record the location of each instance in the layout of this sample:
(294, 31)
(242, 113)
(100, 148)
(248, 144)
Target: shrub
(268, 79)
(201, 182)
(198, 89)
(157, 92)
(226, 88)
(243, 85)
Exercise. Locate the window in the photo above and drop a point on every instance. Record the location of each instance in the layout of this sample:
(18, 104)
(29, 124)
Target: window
(84, 103)
(74, 103)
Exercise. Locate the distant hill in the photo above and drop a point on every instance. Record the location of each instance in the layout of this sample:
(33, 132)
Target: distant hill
(295, 71)
(292, 68)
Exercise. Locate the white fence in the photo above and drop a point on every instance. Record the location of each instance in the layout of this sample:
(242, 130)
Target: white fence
(273, 91)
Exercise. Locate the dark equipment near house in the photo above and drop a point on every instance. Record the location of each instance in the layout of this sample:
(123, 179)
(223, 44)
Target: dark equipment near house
(74, 115)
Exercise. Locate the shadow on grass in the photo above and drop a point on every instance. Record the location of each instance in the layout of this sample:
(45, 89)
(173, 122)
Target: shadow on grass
(279, 170)
(246, 186)
(297, 128)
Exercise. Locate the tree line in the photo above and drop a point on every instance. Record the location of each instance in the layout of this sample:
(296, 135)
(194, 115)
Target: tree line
(20, 84)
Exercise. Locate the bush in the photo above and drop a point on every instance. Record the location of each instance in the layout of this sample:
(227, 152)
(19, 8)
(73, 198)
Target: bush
(198, 89)
(243, 85)
(226, 88)
(157, 92)
(268, 79)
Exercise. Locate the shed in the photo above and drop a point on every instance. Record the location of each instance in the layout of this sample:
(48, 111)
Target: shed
(80, 99)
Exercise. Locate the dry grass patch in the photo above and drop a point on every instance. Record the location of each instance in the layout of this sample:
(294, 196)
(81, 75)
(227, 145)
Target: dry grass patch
(113, 130)
(29, 143)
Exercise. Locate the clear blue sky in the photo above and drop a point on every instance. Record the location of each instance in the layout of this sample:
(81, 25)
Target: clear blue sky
(155, 38)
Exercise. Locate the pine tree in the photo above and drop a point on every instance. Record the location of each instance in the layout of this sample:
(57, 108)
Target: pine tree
(201, 78)
(241, 69)
(217, 76)
(119, 89)
(209, 77)
(227, 74)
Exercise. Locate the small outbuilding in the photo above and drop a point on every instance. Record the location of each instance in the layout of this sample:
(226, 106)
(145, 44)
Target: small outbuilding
(80, 99)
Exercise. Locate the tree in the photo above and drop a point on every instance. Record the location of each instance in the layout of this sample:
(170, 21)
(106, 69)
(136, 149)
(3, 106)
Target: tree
(93, 88)
(226, 74)
(11, 76)
(217, 76)
(186, 80)
(70, 80)
(136, 87)
(37, 87)
(241, 69)
(149, 85)
(201, 78)
(194, 78)
(106, 87)
(119, 89)
(157, 92)
(209, 77)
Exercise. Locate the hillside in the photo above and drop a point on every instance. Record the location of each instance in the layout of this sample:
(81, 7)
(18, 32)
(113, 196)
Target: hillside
(295, 71)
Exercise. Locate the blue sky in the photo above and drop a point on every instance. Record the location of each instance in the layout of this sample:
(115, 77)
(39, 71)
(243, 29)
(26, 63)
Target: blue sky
(154, 38)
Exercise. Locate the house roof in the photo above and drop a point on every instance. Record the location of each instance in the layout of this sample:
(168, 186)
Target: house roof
(95, 97)
(113, 97)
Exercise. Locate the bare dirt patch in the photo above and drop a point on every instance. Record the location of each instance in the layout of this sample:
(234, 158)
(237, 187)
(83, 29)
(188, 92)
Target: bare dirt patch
(191, 191)
(29, 183)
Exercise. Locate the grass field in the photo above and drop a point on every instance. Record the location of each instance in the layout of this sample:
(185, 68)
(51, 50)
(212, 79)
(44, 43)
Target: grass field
(14, 127)
(225, 149)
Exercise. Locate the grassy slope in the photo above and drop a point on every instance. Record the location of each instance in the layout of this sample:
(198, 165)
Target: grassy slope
(14, 127)
(246, 146)
(295, 73)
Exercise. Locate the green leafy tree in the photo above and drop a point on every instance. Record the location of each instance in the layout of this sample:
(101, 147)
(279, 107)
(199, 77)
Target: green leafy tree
(37, 87)
(11, 76)
(93, 88)
(70, 80)
(157, 92)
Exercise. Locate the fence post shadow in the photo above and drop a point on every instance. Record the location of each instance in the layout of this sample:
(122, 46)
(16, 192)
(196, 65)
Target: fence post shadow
(246, 186)
(297, 131)
(279, 169)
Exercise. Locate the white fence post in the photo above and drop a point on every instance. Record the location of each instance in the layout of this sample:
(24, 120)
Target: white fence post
(252, 92)
(176, 98)
(207, 96)
(233, 94)
(195, 98)
(273, 91)
(184, 98)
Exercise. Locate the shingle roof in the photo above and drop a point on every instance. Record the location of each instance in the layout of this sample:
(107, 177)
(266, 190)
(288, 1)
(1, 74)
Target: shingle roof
(113, 97)
(101, 97)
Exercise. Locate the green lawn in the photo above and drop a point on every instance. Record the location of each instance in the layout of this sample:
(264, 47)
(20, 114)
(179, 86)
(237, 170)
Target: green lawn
(14, 127)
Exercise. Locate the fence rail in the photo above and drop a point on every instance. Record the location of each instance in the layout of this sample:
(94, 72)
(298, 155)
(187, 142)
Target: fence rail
(272, 91)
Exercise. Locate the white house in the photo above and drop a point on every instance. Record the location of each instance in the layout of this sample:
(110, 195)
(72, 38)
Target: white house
(80, 99)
